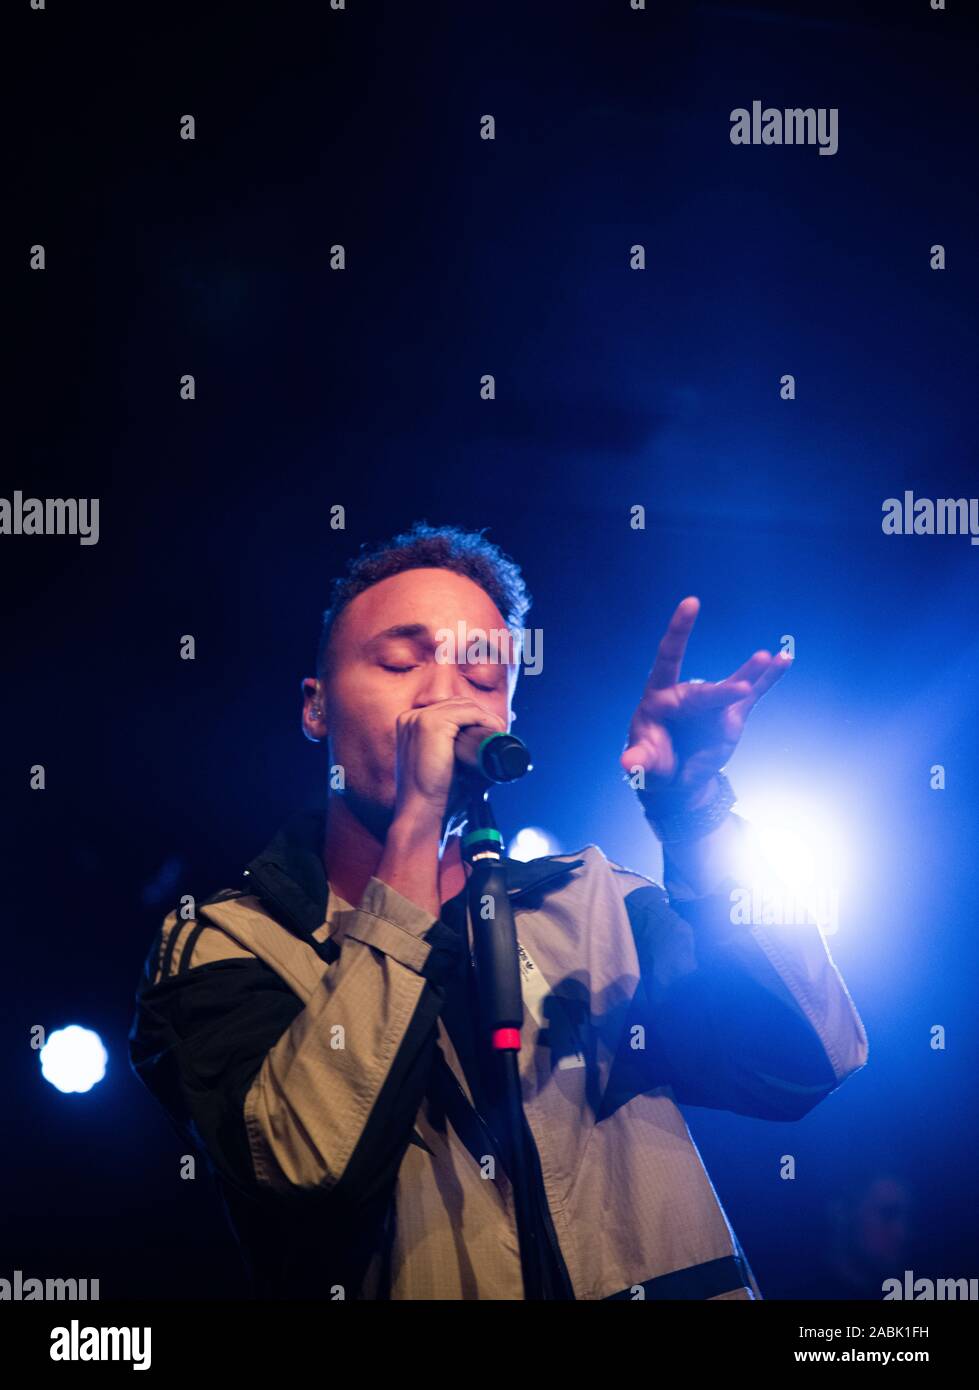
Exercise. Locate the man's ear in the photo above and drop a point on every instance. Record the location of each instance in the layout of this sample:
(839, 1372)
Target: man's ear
(314, 710)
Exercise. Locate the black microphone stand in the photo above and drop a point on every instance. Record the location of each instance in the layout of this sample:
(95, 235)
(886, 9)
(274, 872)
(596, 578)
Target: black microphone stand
(501, 1011)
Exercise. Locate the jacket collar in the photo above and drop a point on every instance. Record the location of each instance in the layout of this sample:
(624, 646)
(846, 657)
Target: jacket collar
(290, 878)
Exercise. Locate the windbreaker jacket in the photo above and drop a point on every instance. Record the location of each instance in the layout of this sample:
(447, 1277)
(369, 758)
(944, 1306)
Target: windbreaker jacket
(298, 1043)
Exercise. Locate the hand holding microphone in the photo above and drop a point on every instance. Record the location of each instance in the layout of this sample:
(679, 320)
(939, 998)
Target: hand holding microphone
(440, 749)
(446, 740)
(426, 760)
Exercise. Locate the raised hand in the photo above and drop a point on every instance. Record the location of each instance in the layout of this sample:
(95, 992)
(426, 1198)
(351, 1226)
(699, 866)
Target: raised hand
(682, 732)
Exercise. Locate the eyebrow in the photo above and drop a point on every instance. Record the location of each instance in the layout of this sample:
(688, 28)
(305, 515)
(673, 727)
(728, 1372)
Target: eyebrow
(414, 632)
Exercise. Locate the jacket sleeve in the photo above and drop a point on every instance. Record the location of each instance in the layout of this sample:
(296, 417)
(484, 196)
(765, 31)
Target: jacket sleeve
(748, 1018)
(287, 1097)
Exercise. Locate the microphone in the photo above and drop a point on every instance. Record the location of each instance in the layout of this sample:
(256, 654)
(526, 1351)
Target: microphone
(496, 757)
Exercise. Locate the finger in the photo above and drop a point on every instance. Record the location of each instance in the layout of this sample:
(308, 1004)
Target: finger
(752, 668)
(653, 754)
(776, 670)
(670, 653)
(481, 719)
(713, 696)
(457, 711)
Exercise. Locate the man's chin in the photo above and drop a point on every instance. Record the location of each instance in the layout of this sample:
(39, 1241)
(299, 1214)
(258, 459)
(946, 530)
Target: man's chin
(376, 816)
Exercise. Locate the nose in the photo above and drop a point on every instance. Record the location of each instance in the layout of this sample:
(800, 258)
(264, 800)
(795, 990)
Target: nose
(441, 681)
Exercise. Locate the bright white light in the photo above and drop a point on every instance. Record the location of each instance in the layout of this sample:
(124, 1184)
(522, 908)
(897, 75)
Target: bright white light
(532, 843)
(73, 1059)
(795, 862)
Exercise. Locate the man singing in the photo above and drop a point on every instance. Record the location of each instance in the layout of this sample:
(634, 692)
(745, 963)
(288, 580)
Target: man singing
(315, 1032)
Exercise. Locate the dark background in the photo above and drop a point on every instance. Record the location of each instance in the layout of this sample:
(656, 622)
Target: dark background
(614, 387)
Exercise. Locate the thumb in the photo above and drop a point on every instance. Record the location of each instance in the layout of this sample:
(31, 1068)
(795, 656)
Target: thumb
(657, 759)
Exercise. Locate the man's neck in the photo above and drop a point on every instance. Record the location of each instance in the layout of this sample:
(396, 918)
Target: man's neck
(351, 853)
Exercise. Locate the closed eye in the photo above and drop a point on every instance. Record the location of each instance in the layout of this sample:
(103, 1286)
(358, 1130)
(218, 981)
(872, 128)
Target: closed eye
(402, 670)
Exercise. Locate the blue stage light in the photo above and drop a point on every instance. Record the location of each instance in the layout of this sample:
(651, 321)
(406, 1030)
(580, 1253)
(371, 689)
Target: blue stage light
(794, 861)
(73, 1059)
(532, 843)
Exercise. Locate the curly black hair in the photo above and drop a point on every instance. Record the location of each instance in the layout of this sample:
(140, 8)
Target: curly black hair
(429, 547)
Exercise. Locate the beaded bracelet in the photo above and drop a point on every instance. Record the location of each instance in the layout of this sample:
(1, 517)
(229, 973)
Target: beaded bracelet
(676, 827)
